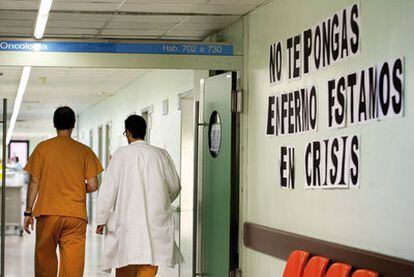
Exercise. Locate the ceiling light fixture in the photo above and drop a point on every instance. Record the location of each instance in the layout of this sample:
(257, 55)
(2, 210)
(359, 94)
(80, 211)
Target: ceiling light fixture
(18, 101)
(42, 17)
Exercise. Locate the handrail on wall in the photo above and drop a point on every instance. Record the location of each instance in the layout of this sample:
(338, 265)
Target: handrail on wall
(280, 244)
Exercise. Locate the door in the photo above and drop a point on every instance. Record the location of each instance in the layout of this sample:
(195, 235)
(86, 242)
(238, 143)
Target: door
(108, 132)
(100, 144)
(90, 196)
(3, 190)
(187, 188)
(146, 114)
(219, 178)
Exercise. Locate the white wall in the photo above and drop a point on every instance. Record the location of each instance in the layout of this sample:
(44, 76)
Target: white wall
(149, 90)
(378, 216)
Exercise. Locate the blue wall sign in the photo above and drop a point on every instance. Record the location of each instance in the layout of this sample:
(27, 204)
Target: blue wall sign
(118, 48)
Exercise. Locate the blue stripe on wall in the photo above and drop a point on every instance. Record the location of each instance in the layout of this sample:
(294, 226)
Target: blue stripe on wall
(120, 48)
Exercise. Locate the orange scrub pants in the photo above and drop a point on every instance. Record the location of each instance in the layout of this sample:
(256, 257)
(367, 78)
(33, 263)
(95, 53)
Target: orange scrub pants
(137, 271)
(69, 233)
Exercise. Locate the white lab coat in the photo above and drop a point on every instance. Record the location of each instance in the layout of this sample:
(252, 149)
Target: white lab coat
(134, 202)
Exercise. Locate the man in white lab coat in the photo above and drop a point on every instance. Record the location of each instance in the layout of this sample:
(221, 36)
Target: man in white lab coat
(134, 203)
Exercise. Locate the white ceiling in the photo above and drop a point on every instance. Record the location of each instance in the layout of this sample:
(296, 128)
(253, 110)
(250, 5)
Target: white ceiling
(124, 19)
(50, 88)
(101, 19)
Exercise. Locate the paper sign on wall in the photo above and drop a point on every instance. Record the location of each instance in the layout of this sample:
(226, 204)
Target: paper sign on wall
(293, 112)
(287, 167)
(333, 163)
(376, 93)
(334, 39)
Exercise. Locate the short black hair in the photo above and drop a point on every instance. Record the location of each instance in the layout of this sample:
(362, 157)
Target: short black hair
(64, 118)
(137, 126)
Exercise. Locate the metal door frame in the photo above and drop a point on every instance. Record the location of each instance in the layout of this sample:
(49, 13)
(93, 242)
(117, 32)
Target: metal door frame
(108, 140)
(3, 189)
(180, 98)
(235, 177)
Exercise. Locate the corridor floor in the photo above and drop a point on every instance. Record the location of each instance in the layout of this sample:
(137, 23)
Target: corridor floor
(20, 257)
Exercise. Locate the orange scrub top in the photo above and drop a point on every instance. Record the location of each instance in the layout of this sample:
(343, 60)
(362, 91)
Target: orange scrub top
(62, 165)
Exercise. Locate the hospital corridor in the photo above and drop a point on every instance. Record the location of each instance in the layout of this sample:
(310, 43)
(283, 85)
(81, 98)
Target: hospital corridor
(107, 97)
(206, 138)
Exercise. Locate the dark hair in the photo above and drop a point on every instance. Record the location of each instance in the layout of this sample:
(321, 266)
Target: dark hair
(137, 126)
(64, 118)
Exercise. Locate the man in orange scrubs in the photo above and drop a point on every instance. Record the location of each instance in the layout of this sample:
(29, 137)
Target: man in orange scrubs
(62, 171)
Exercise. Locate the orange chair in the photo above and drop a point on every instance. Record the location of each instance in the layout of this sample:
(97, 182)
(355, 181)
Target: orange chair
(364, 273)
(296, 263)
(316, 267)
(339, 270)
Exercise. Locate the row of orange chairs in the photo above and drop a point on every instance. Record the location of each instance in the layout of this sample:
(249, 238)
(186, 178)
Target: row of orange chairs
(299, 265)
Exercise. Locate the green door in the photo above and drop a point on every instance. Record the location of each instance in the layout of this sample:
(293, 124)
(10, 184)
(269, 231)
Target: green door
(219, 189)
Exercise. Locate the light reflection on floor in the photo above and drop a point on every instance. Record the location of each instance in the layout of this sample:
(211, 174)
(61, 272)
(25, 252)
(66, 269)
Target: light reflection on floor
(20, 257)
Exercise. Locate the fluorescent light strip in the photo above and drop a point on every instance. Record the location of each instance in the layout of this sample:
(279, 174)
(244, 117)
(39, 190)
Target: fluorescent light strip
(18, 101)
(42, 18)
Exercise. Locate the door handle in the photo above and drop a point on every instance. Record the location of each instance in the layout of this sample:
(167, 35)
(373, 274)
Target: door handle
(176, 209)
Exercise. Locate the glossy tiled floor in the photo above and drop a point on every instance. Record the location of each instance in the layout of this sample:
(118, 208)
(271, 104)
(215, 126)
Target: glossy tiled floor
(19, 257)
(20, 251)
